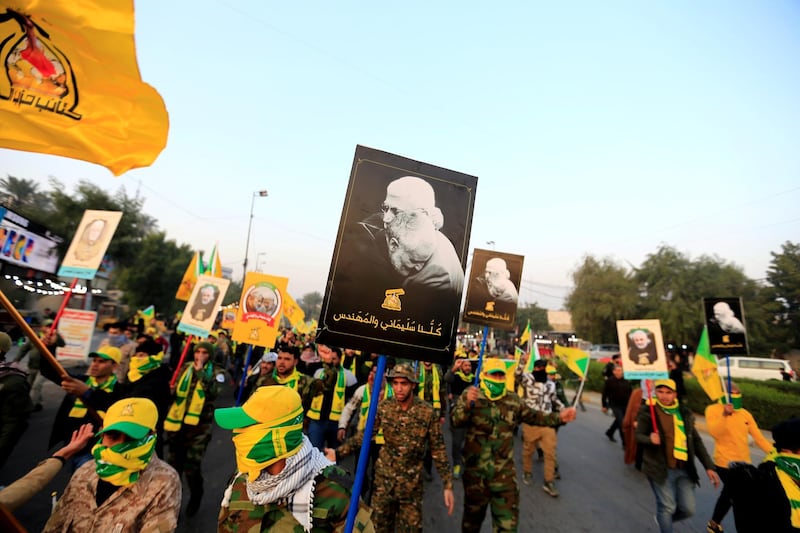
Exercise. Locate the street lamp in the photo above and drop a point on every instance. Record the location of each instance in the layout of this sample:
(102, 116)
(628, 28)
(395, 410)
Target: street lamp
(250, 225)
(258, 260)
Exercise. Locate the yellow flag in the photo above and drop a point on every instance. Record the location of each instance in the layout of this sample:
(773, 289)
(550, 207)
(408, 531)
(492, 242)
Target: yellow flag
(189, 279)
(292, 311)
(577, 360)
(526, 335)
(70, 84)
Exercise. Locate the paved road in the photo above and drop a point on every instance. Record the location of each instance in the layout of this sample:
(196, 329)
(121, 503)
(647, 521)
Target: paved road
(598, 492)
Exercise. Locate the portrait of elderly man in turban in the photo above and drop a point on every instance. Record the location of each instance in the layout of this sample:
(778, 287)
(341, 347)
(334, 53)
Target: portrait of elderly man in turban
(417, 250)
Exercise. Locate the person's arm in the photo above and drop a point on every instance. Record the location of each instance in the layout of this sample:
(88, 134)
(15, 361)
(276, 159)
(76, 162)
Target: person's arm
(604, 396)
(352, 406)
(460, 415)
(644, 427)
(439, 455)
(439, 452)
(765, 445)
(22, 490)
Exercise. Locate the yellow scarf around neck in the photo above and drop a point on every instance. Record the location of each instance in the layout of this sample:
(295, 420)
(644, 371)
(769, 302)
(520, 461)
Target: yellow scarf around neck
(680, 448)
(79, 409)
(181, 413)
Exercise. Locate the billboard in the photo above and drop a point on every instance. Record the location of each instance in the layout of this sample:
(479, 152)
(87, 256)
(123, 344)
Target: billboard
(26, 243)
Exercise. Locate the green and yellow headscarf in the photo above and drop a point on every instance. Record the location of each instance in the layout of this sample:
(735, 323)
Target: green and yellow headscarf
(493, 387)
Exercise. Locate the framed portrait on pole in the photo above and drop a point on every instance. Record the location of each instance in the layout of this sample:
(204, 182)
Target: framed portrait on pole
(397, 271)
(727, 334)
(493, 289)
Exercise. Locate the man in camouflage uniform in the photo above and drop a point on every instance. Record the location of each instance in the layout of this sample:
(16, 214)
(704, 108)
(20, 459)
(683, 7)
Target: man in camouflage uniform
(283, 483)
(262, 375)
(408, 425)
(126, 487)
(491, 415)
(188, 424)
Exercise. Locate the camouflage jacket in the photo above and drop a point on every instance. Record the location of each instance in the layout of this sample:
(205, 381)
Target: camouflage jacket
(151, 505)
(331, 500)
(489, 443)
(406, 434)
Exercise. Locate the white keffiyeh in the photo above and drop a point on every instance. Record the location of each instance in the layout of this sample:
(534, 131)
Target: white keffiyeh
(294, 484)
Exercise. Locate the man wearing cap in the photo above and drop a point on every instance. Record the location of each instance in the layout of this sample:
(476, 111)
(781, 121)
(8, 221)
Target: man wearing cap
(87, 399)
(767, 497)
(669, 450)
(283, 483)
(188, 425)
(730, 425)
(409, 425)
(51, 341)
(126, 487)
(149, 378)
(15, 401)
(539, 394)
(262, 374)
(491, 414)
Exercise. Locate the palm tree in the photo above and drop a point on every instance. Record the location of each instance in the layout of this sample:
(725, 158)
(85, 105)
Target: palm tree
(19, 192)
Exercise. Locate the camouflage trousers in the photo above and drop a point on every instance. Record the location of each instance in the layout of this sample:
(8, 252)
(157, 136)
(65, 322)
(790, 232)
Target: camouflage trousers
(187, 446)
(501, 494)
(397, 504)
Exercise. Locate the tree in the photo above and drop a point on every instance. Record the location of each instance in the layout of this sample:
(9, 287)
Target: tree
(604, 293)
(537, 316)
(153, 276)
(311, 304)
(672, 288)
(783, 275)
(23, 195)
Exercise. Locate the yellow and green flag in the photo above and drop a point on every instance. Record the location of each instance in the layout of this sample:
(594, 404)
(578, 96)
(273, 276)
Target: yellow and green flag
(197, 268)
(293, 313)
(526, 334)
(148, 314)
(705, 368)
(577, 360)
(70, 84)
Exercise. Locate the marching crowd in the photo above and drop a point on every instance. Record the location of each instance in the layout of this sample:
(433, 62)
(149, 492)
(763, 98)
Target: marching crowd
(137, 421)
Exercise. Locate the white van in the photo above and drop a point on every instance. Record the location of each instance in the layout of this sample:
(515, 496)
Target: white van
(759, 368)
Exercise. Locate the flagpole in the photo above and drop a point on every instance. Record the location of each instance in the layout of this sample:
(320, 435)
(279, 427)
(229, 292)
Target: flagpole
(652, 407)
(366, 442)
(180, 361)
(67, 296)
(580, 391)
(244, 376)
(476, 380)
(728, 364)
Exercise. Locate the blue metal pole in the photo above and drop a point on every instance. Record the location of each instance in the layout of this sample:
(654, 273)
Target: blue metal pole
(480, 356)
(363, 456)
(728, 364)
(244, 376)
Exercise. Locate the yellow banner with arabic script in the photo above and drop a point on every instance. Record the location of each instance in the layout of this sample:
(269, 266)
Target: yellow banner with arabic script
(260, 308)
(70, 84)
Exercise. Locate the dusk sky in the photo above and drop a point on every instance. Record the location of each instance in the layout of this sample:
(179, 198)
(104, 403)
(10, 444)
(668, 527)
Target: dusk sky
(594, 128)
